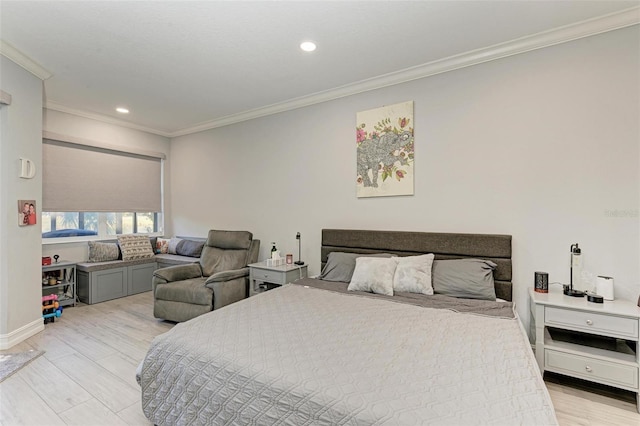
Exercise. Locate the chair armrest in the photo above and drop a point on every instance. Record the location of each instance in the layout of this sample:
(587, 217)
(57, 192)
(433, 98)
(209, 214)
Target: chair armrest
(178, 273)
(226, 276)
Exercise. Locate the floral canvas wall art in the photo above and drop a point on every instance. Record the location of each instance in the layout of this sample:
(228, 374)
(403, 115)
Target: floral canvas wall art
(384, 140)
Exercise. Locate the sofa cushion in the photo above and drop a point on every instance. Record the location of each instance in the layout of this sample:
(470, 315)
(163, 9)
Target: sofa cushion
(135, 247)
(188, 291)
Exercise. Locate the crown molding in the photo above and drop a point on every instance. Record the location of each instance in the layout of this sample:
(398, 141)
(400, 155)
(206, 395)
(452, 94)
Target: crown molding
(54, 106)
(587, 28)
(24, 61)
(590, 27)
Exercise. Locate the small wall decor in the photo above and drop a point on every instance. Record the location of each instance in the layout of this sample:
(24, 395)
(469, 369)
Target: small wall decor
(27, 169)
(384, 140)
(27, 212)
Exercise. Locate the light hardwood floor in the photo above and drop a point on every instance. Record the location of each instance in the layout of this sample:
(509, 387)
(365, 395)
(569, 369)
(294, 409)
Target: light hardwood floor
(87, 375)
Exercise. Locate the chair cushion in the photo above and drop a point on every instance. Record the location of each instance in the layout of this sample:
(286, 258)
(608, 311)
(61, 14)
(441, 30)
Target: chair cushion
(215, 260)
(188, 291)
(229, 239)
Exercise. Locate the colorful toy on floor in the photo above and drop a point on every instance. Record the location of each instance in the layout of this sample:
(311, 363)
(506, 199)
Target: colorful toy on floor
(51, 309)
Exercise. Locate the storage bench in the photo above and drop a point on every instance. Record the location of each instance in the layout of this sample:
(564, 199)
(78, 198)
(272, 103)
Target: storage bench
(101, 281)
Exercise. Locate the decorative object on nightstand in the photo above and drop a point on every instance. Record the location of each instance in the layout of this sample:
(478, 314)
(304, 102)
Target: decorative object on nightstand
(598, 342)
(541, 282)
(575, 273)
(275, 259)
(594, 298)
(604, 286)
(273, 276)
(299, 261)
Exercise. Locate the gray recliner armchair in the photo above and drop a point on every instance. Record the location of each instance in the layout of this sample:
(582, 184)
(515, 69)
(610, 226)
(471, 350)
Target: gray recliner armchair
(221, 277)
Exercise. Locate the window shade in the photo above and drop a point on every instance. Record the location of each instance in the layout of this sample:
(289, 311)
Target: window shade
(80, 178)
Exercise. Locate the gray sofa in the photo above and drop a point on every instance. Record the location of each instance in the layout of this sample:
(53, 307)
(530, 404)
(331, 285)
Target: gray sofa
(220, 277)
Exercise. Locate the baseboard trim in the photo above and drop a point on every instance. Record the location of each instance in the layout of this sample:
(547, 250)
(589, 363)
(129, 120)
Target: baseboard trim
(23, 333)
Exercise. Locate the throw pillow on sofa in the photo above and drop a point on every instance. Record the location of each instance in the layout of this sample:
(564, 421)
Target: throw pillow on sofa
(103, 252)
(135, 247)
(162, 245)
(172, 246)
(189, 248)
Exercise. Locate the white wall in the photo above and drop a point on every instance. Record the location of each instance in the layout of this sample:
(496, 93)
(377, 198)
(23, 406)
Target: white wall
(85, 128)
(543, 146)
(20, 274)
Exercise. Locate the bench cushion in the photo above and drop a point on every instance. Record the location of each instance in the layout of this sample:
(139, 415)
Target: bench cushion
(100, 266)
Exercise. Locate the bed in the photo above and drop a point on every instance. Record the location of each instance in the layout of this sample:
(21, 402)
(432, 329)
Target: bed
(314, 353)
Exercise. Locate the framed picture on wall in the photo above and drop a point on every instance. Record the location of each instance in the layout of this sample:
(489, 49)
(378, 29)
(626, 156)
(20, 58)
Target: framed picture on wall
(27, 213)
(384, 140)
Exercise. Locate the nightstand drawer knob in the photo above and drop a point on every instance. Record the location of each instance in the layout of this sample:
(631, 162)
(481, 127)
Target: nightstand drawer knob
(589, 369)
(589, 322)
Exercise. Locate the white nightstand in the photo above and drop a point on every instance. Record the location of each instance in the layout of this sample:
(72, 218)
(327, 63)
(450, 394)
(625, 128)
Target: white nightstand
(278, 275)
(592, 341)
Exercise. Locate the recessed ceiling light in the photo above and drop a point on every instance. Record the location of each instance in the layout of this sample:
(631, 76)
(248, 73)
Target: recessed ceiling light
(308, 46)
(122, 110)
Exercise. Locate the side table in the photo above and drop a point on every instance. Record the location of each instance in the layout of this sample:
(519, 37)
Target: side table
(278, 275)
(63, 274)
(591, 341)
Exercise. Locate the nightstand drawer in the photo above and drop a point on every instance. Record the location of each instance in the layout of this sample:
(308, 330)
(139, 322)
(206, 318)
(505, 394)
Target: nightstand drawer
(275, 277)
(592, 322)
(593, 369)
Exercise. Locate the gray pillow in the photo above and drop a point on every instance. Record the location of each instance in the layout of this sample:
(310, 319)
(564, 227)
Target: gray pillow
(103, 252)
(465, 278)
(340, 265)
(189, 248)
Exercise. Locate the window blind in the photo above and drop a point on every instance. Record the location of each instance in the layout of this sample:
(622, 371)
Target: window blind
(81, 178)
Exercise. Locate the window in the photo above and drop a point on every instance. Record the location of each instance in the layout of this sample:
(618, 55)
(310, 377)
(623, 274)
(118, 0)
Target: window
(96, 190)
(80, 224)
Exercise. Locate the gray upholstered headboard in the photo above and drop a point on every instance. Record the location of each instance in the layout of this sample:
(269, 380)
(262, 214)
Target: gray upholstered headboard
(496, 248)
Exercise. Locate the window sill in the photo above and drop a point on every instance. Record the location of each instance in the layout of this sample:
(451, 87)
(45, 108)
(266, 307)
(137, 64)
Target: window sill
(71, 240)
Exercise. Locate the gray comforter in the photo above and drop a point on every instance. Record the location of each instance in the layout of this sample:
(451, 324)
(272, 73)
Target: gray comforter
(300, 355)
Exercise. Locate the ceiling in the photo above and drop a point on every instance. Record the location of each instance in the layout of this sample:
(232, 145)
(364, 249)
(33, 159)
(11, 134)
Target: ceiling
(184, 66)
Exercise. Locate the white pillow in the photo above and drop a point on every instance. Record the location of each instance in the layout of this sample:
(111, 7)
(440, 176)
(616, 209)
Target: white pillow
(413, 274)
(173, 244)
(373, 274)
